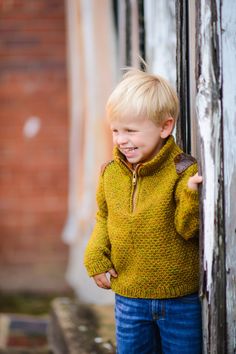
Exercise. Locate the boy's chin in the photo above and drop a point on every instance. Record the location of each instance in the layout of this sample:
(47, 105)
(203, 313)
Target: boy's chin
(133, 160)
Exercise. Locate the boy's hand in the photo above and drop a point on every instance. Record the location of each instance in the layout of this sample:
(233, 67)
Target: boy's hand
(102, 280)
(194, 181)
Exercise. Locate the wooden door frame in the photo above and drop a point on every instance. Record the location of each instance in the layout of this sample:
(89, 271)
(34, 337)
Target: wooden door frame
(209, 142)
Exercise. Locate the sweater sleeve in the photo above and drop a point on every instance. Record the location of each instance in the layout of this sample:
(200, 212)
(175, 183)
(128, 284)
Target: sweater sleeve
(187, 206)
(97, 252)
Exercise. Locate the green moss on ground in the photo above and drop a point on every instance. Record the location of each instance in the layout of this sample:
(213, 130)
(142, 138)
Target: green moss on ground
(26, 303)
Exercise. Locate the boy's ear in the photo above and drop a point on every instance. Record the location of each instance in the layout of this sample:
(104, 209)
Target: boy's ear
(167, 127)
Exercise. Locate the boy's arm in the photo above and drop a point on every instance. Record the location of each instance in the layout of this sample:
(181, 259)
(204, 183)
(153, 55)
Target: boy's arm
(187, 204)
(97, 253)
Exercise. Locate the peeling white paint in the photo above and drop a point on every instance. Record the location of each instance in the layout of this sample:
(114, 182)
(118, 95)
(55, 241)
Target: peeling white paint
(229, 94)
(209, 181)
(229, 118)
(204, 116)
(209, 121)
(212, 116)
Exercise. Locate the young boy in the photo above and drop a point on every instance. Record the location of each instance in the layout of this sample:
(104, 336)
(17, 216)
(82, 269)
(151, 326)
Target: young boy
(145, 242)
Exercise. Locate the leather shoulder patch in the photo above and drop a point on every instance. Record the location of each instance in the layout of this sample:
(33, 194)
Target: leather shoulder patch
(183, 161)
(104, 166)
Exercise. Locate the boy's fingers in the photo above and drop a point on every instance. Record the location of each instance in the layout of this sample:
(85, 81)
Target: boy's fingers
(196, 178)
(194, 181)
(113, 273)
(104, 284)
(200, 178)
(102, 281)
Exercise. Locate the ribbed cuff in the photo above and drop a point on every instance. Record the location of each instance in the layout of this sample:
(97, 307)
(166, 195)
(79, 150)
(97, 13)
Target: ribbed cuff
(98, 267)
(192, 194)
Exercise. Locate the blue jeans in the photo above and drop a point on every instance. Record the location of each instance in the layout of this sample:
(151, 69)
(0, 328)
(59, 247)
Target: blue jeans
(169, 326)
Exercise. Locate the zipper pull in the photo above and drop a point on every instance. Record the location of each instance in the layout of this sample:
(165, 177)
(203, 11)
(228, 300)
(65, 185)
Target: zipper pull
(134, 178)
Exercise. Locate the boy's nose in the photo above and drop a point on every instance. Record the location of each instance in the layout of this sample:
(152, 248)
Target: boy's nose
(121, 139)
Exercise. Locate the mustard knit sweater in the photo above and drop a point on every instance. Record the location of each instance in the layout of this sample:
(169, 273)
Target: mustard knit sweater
(147, 226)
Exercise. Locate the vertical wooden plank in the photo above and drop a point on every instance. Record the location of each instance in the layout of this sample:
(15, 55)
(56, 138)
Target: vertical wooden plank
(229, 114)
(131, 32)
(134, 33)
(141, 29)
(91, 76)
(182, 57)
(160, 38)
(128, 30)
(192, 74)
(210, 125)
(75, 77)
(122, 33)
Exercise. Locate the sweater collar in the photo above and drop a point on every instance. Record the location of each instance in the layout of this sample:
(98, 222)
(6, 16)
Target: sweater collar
(169, 150)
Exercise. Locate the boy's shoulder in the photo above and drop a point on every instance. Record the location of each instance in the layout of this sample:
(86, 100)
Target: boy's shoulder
(104, 166)
(183, 161)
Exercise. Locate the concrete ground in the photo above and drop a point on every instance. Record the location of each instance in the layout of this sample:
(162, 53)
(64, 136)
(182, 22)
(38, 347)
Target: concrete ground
(79, 328)
(74, 325)
(105, 315)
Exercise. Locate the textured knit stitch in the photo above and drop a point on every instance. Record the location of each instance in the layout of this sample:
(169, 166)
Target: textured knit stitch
(147, 232)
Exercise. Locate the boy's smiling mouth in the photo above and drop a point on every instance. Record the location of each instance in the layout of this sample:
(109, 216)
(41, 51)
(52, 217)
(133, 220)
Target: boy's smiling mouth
(127, 149)
(130, 148)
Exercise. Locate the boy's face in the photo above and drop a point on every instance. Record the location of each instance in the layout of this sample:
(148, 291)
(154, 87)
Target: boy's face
(139, 140)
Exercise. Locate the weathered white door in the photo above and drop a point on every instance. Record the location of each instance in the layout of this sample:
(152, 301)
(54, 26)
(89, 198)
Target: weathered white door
(207, 44)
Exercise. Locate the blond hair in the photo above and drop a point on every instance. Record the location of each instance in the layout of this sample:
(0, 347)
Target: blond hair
(143, 95)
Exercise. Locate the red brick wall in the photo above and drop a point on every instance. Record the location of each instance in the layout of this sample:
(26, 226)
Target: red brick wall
(33, 169)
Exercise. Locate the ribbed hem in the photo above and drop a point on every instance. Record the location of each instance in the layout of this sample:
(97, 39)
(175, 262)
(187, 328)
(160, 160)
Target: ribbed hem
(98, 267)
(160, 293)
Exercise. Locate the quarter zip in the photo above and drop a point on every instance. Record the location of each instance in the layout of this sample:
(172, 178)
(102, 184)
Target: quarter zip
(134, 177)
(134, 182)
(134, 189)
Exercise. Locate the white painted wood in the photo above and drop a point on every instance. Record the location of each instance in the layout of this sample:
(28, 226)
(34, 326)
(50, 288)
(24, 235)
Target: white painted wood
(91, 59)
(209, 115)
(160, 31)
(207, 118)
(75, 110)
(123, 50)
(229, 118)
(216, 141)
(134, 34)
